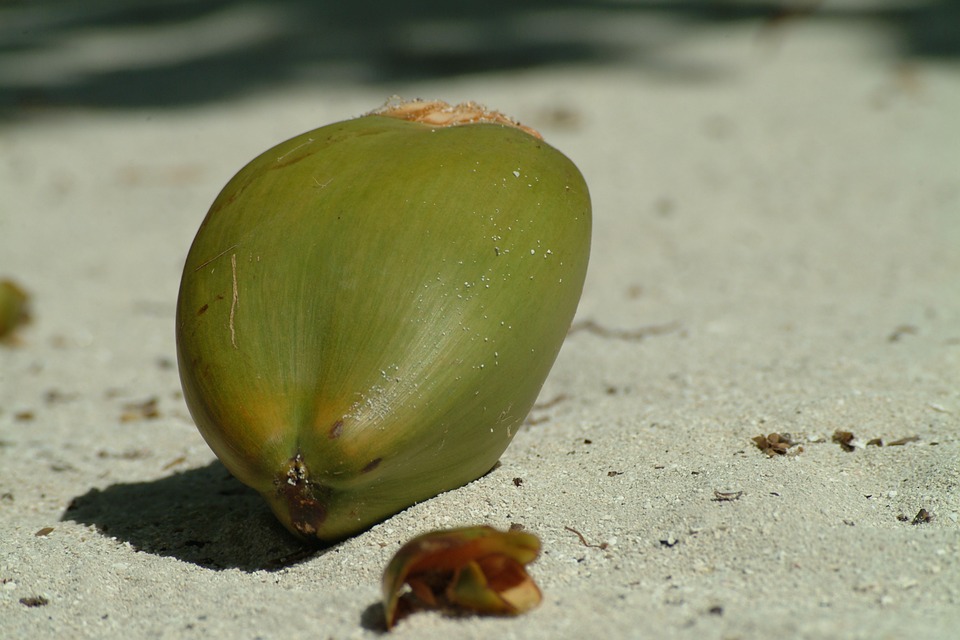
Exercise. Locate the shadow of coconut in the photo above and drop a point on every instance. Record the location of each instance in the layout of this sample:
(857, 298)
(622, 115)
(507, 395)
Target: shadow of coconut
(203, 516)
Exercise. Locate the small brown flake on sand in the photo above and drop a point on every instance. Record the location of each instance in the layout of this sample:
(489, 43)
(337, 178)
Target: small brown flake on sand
(844, 439)
(34, 601)
(903, 441)
(176, 461)
(774, 444)
(56, 396)
(634, 335)
(726, 496)
(552, 402)
(901, 331)
(42, 533)
(145, 410)
(923, 516)
(127, 454)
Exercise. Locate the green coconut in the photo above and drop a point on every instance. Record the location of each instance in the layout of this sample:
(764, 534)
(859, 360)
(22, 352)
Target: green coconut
(370, 309)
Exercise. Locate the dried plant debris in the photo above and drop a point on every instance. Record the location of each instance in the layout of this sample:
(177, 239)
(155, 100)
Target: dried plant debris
(135, 411)
(846, 439)
(781, 443)
(56, 396)
(583, 540)
(173, 463)
(476, 570)
(849, 442)
(776, 444)
(726, 496)
(923, 516)
(532, 421)
(901, 331)
(14, 308)
(552, 402)
(635, 335)
(541, 406)
(126, 454)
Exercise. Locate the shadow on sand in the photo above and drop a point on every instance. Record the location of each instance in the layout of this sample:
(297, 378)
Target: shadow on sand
(203, 516)
(148, 53)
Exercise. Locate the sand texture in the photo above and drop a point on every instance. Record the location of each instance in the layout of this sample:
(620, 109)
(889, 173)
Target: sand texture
(776, 250)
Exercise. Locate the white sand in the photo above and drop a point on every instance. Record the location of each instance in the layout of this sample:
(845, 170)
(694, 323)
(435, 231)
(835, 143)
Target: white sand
(790, 206)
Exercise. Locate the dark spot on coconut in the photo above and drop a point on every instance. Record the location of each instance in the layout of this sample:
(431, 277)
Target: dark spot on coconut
(202, 310)
(335, 430)
(305, 500)
(373, 464)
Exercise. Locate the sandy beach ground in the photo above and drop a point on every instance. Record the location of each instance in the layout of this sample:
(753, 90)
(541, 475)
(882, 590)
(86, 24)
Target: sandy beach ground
(776, 250)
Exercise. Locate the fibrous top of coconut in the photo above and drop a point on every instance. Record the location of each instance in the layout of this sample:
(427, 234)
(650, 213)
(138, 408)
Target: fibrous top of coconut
(441, 114)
